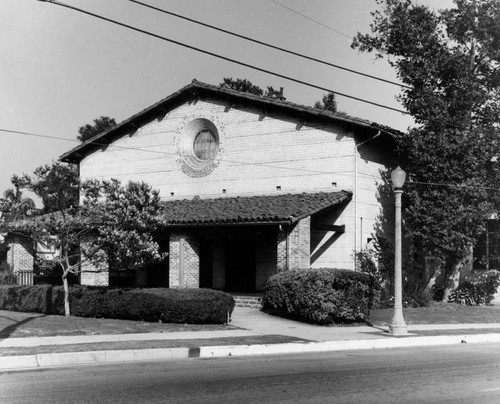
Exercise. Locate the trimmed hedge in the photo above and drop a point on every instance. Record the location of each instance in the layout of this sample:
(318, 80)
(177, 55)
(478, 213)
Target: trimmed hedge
(322, 296)
(191, 306)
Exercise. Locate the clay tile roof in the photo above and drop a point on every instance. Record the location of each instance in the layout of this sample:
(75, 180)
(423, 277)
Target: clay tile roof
(270, 209)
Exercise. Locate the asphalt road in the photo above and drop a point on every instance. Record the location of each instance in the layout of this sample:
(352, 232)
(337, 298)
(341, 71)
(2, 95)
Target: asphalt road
(458, 374)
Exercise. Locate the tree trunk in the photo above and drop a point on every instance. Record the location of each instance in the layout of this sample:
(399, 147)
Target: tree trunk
(433, 273)
(452, 278)
(66, 294)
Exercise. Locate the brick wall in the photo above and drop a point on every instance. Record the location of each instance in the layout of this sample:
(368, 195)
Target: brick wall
(281, 251)
(184, 260)
(21, 254)
(90, 275)
(299, 244)
(294, 246)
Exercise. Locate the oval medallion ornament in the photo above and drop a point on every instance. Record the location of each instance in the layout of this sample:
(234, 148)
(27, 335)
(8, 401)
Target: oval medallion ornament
(199, 145)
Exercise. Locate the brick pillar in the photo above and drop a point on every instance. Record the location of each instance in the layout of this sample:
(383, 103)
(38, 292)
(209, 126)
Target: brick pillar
(281, 241)
(299, 245)
(90, 275)
(184, 260)
(294, 246)
(21, 257)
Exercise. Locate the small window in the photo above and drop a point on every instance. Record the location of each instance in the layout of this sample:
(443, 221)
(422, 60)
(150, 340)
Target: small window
(205, 145)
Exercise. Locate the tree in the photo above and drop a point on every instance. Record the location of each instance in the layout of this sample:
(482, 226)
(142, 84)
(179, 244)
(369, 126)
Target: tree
(100, 124)
(450, 61)
(328, 103)
(57, 185)
(246, 86)
(13, 206)
(241, 85)
(126, 217)
(112, 228)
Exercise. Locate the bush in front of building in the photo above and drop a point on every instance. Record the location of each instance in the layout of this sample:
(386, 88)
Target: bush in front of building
(32, 299)
(321, 296)
(7, 277)
(190, 306)
(477, 288)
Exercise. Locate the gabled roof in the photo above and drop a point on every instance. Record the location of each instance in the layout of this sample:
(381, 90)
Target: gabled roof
(198, 89)
(270, 209)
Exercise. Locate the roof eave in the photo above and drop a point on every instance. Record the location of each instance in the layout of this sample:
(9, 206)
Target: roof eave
(338, 201)
(231, 224)
(195, 89)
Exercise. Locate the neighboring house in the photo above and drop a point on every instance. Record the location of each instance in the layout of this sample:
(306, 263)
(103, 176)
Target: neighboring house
(251, 185)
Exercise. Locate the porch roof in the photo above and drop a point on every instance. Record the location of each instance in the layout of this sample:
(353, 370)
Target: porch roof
(266, 209)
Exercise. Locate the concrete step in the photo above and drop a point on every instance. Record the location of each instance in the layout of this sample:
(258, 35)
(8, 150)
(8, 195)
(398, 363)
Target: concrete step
(254, 302)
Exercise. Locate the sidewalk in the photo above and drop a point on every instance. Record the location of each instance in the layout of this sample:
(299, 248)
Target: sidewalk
(250, 322)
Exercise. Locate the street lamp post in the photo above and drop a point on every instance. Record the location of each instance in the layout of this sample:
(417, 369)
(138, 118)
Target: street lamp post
(398, 324)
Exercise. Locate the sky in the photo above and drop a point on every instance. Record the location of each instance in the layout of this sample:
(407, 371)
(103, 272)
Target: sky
(60, 69)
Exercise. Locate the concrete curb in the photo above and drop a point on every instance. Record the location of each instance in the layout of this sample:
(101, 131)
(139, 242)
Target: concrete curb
(156, 354)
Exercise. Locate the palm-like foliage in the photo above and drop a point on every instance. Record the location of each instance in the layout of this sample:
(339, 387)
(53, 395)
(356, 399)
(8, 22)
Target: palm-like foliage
(13, 206)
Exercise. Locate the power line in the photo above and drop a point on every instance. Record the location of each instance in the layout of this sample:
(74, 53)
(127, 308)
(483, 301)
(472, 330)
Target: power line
(447, 123)
(37, 135)
(226, 58)
(269, 45)
(311, 19)
(243, 162)
(442, 184)
(96, 143)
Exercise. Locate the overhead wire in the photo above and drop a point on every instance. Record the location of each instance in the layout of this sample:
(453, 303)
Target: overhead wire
(227, 58)
(99, 144)
(96, 143)
(311, 19)
(161, 10)
(443, 184)
(449, 124)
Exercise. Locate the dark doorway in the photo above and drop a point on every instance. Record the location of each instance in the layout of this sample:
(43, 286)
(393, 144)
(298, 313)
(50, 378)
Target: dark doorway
(158, 273)
(240, 264)
(206, 263)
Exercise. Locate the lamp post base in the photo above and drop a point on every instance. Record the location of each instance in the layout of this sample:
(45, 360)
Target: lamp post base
(398, 329)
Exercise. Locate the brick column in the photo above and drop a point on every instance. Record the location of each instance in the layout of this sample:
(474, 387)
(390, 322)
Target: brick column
(184, 260)
(21, 257)
(299, 245)
(281, 241)
(294, 246)
(90, 275)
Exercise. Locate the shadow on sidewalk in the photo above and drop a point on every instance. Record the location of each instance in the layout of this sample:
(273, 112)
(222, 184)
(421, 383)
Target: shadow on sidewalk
(7, 331)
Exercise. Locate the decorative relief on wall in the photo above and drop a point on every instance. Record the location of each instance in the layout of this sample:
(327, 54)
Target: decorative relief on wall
(199, 144)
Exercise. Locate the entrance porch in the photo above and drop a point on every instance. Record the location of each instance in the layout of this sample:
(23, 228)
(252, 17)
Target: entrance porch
(236, 244)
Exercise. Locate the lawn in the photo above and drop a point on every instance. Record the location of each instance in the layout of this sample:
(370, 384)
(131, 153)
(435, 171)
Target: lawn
(440, 313)
(150, 344)
(19, 324)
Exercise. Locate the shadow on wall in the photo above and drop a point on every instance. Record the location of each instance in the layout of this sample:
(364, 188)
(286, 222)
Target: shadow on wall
(319, 245)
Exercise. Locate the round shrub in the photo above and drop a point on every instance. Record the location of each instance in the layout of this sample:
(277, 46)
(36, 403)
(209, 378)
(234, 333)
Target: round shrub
(321, 296)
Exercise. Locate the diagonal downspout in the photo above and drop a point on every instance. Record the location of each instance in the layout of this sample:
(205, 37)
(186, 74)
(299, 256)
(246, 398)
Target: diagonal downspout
(356, 235)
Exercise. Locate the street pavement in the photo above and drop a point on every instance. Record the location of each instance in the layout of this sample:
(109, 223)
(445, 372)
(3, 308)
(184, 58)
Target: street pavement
(250, 322)
(466, 373)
